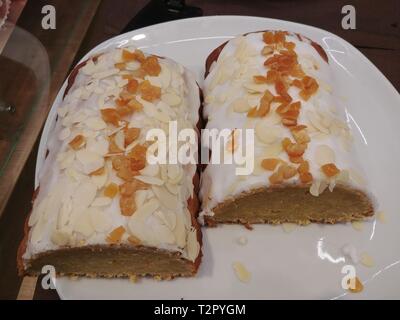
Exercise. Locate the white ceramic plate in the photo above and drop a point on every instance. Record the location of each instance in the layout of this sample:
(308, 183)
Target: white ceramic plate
(307, 262)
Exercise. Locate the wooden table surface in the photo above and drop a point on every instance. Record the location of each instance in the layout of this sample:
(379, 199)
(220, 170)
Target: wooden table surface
(377, 36)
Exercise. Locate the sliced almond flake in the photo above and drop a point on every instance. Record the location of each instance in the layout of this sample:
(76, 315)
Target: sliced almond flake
(166, 198)
(192, 245)
(150, 180)
(141, 214)
(165, 76)
(381, 216)
(267, 134)
(315, 120)
(173, 188)
(171, 99)
(62, 111)
(60, 238)
(155, 81)
(209, 99)
(119, 140)
(100, 221)
(151, 170)
(132, 65)
(83, 225)
(167, 218)
(366, 260)
(74, 174)
(105, 74)
(90, 161)
(100, 180)
(84, 194)
(95, 123)
(240, 105)
(332, 184)
(129, 147)
(101, 202)
(288, 227)
(324, 154)
(140, 197)
(357, 225)
(314, 188)
(255, 88)
(241, 272)
(64, 134)
(273, 150)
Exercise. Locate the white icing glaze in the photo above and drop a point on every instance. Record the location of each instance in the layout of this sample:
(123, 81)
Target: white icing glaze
(230, 81)
(70, 208)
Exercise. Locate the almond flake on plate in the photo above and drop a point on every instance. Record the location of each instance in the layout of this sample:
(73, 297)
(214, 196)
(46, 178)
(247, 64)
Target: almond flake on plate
(366, 260)
(357, 225)
(241, 272)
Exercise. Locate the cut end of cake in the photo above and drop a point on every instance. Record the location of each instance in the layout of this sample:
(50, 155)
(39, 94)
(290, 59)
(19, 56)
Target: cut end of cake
(114, 262)
(293, 204)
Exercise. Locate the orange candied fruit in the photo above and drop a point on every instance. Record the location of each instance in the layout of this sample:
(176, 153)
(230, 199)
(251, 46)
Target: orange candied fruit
(151, 66)
(287, 171)
(112, 146)
(306, 177)
(358, 286)
(77, 142)
(276, 177)
(111, 190)
(330, 170)
(127, 205)
(129, 188)
(270, 163)
(134, 240)
(135, 105)
(111, 116)
(98, 172)
(259, 79)
(115, 236)
(137, 157)
(124, 110)
(265, 106)
(148, 91)
(293, 149)
(132, 86)
(137, 55)
(118, 162)
(296, 159)
(131, 134)
(304, 167)
(310, 86)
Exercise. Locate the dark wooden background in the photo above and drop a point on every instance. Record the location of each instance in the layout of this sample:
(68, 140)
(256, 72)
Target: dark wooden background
(377, 36)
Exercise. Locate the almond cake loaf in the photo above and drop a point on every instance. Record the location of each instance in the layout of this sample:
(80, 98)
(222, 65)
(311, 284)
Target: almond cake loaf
(101, 209)
(280, 85)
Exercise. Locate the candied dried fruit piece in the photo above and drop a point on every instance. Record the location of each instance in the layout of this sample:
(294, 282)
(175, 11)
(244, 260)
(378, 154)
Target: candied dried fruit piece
(134, 240)
(151, 66)
(270, 163)
(330, 170)
(310, 86)
(296, 159)
(129, 188)
(120, 65)
(276, 178)
(259, 79)
(78, 142)
(357, 287)
(111, 116)
(124, 111)
(119, 162)
(289, 122)
(268, 37)
(115, 236)
(304, 167)
(132, 86)
(265, 106)
(267, 50)
(148, 91)
(113, 147)
(137, 55)
(127, 205)
(111, 190)
(289, 45)
(272, 76)
(301, 136)
(306, 177)
(131, 134)
(126, 173)
(287, 171)
(279, 36)
(135, 105)
(98, 172)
